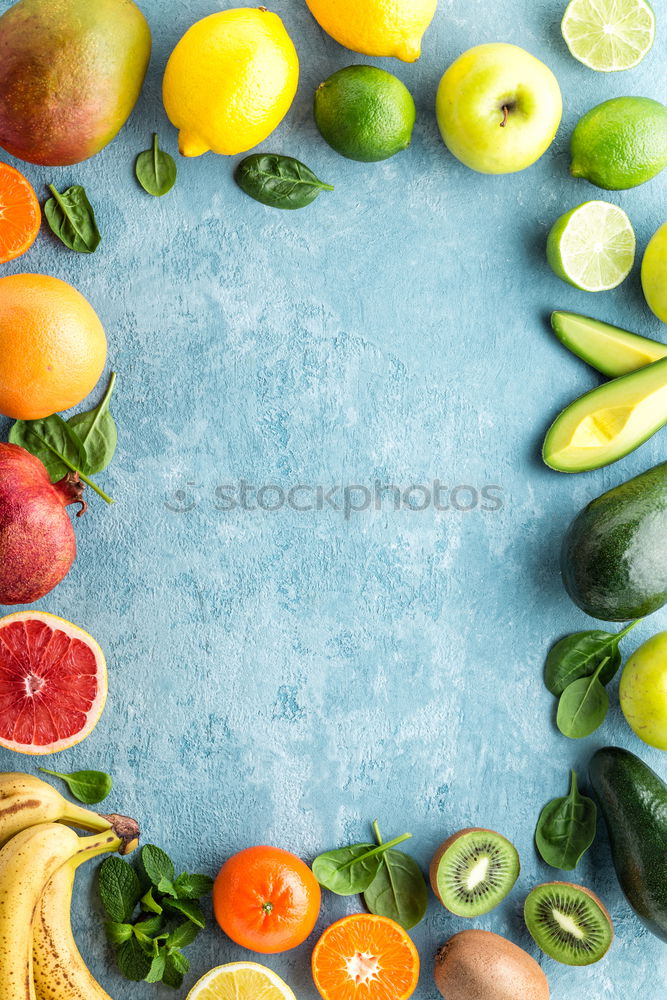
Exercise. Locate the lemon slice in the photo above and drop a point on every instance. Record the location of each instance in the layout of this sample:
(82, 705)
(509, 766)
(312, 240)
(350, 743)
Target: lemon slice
(241, 981)
(609, 35)
(592, 247)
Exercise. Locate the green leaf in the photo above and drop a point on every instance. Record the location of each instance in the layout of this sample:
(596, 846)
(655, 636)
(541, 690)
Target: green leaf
(149, 903)
(193, 886)
(97, 432)
(119, 889)
(349, 870)
(183, 935)
(172, 975)
(180, 962)
(190, 908)
(55, 443)
(166, 887)
(580, 654)
(150, 925)
(133, 961)
(118, 932)
(86, 786)
(582, 706)
(156, 864)
(278, 181)
(72, 219)
(566, 828)
(155, 170)
(157, 968)
(399, 890)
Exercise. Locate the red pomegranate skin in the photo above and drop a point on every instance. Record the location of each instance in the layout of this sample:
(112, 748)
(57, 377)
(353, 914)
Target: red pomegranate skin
(37, 543)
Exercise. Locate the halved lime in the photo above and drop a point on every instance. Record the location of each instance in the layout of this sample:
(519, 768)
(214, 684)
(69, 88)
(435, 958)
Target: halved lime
(609, 35)
(592, 247)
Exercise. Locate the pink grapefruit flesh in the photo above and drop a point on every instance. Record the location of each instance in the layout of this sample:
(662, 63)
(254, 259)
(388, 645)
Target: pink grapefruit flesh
(53, 683)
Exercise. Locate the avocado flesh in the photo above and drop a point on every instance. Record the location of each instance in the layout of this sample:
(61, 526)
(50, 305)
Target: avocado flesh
(608, 422)
(608, 349)
(614, 554)
(70, 74)
(633, 800)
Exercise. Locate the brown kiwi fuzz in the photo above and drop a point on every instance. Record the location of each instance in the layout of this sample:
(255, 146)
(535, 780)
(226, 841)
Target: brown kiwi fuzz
(479, 965)
(473, 871)
(568, 922)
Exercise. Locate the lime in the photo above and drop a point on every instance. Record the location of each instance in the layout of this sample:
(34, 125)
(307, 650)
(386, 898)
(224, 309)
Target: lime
(621, 143)
(592, 247)
(654, 273)
(609, 35)
(365, 113)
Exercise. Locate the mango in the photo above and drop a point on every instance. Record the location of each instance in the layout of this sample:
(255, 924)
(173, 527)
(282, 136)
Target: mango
(70, 74)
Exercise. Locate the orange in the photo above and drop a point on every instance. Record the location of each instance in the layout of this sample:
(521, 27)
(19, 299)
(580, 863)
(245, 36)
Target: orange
(266, 899)
(364, 957)
(53, 683)
(20, 215)
(52, 346)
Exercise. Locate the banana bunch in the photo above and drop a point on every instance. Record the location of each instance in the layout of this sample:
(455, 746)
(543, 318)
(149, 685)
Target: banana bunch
(39, 857)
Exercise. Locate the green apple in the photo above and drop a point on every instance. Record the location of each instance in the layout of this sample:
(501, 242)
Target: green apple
(498, 108)
(654, 274)
(644, 691)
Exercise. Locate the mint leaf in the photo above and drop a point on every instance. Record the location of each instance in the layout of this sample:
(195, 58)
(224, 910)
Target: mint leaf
(166, 887)
(149, 903)
(117, 933)
(172, 975)
(119, 889)
(133, 961)
(190, 908)
(150, 926)
(184, 935)
(156, 970)
(179, 961)
(193, 886)
(157, 864)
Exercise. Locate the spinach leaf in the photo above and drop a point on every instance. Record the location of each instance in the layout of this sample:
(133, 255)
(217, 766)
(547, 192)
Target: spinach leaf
(278, 181)
(349, 870)
(566, 828)
(119, 887)
(96, 430)
(72, 219)
(398, 891)
(583, 706)
(57, 445)
(86, 786)
(579, 654)
(155, 170)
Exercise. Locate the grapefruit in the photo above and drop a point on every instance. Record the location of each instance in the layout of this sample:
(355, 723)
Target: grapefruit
(53, 683)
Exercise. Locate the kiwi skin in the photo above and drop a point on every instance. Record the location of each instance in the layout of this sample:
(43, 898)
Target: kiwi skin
(444, 847)
(596, 900)
(479, 965)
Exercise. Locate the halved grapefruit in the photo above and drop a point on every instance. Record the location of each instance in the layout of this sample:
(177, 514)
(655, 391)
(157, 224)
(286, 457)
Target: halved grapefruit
(53, 683)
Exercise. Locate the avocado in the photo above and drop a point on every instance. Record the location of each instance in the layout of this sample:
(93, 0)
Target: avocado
(608, 422)
(633, 800)
(70, 74)
(607, 348)
(614, 555)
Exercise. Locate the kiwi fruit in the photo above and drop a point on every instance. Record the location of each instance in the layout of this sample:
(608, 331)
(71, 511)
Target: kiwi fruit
(569, 923)
(479, 965)
(473, 871)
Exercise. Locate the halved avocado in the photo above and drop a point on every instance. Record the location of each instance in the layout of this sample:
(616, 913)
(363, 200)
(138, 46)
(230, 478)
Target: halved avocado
(609, 349)
(608, 422)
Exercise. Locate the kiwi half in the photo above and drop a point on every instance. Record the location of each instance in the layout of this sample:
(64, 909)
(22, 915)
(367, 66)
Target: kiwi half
(473, 871)
(569, 923)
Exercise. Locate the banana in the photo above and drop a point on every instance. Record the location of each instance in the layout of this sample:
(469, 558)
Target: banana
(26, 801)
(27, 864)
(59, 970)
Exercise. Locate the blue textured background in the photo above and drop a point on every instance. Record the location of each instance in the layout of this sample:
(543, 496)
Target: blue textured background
(285, 678)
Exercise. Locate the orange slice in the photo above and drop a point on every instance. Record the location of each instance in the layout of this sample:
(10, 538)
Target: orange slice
(53, 683)
(20, 214)
(364, 957)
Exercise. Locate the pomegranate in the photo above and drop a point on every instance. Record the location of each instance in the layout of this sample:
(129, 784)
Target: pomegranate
(37, 543)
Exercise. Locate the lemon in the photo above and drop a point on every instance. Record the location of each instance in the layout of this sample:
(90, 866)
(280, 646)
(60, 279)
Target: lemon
(241, 981)
(654, 274)
(376, 27)
(592, 247)
(230, 81)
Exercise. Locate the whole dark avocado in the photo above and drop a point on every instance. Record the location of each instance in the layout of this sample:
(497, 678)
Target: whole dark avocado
(614, 555)
(633, 800)
(70, 74)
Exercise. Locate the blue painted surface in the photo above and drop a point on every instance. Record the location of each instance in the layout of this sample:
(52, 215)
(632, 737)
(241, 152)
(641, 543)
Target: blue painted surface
(285, 677)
